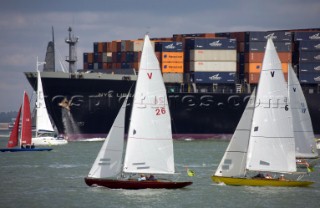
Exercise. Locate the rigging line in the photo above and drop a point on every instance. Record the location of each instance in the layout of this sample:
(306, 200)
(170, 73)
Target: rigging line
(173, 125)
(63, 66)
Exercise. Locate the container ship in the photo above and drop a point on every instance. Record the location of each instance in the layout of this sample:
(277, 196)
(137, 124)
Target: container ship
(208, 76)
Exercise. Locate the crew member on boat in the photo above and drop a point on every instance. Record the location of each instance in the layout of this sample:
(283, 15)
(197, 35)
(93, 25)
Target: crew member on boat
(151, 178)
(142, 177)
(282, 178)
(268, 176)
(259, 175)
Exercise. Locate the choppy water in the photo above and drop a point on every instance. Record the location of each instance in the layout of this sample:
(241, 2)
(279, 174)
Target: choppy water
(55, 179)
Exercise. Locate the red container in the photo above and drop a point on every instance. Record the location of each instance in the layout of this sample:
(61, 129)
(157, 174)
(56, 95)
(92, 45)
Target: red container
(256, 57)
(90, 57)
(100, 47)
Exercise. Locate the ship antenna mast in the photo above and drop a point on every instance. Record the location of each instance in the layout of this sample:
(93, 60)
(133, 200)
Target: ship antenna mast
(72, 58)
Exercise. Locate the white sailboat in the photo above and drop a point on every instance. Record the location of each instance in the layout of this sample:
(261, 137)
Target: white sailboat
(264, 139)
(45, 134)
(149, 147)
(302, 125)
(306, 149)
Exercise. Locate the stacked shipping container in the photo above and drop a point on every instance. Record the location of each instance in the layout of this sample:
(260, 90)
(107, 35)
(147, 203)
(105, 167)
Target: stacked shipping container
(171, 56)
(118, 54)
(182, 37)
(211, 60)
(251, 47)
(100, 58)
(126, 54)
(214, 58)
(307, 56)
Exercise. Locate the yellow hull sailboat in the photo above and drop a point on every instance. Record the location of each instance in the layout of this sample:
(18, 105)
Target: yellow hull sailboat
(264, 140)
(259, 182)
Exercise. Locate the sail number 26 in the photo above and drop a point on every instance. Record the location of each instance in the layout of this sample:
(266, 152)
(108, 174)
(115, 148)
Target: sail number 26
(160, 111)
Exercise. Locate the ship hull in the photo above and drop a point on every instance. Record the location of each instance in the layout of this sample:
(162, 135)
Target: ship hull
(85, 107)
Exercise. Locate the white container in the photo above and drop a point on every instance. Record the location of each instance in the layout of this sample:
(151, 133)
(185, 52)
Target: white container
(173, 77)
(137, 45)
(213, 55)
(210, 66)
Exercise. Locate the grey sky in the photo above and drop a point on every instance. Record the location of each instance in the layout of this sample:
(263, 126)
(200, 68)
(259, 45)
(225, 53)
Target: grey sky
(26, 27)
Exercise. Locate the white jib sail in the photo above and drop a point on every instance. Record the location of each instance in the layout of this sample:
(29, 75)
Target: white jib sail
(302, 126)
(109, 159)
(43, 122)
(233, 163)
(150, 146)
(271, 145)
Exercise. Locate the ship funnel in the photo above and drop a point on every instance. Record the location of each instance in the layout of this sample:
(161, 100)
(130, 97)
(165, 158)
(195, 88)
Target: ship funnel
(49, 65)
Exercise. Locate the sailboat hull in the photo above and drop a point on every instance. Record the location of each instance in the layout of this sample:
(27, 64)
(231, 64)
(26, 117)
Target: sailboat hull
(24, 150)
(134, 184)
(259, 182)
(48, 141)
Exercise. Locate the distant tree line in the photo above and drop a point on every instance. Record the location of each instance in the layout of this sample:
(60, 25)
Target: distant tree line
(6, 117)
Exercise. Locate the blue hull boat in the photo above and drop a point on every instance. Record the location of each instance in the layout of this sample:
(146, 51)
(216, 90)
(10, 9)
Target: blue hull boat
(24, 150)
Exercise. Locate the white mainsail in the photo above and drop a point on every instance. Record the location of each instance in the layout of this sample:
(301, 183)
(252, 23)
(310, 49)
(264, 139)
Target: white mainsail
(233, 162)
(302, 126)
(271, 145)
(43, 122)
(109, 159)
(150, 146)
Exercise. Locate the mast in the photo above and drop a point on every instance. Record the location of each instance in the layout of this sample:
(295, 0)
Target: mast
(22, 126)
(38, 83)
(54, 51)
(72, 58)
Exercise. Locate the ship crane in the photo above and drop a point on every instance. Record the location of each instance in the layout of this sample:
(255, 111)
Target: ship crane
(72, 58)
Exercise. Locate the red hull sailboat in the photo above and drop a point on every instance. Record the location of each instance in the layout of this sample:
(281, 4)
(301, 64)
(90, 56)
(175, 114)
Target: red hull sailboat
(149, 149)
(134, 184)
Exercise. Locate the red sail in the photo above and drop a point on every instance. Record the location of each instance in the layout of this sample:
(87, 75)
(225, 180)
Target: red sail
(13, 140)
(26, 131)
